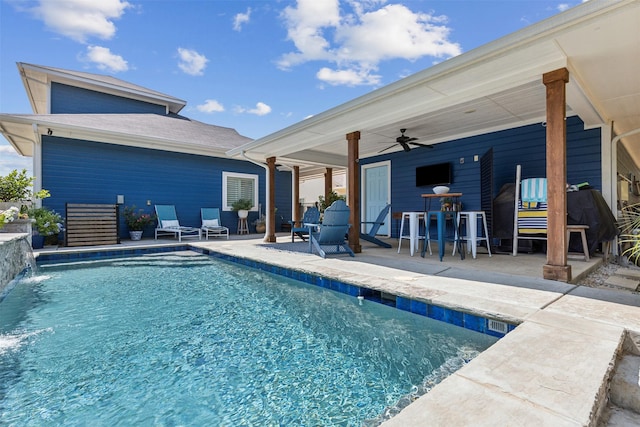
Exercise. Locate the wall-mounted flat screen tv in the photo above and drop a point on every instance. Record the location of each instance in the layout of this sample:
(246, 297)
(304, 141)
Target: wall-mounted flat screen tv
(437, 174)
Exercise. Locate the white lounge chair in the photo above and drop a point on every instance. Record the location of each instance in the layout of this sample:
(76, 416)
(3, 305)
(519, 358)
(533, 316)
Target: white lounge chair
(211, 223)
(168, 224)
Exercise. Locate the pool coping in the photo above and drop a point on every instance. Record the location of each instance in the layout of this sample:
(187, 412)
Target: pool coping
(553, 369)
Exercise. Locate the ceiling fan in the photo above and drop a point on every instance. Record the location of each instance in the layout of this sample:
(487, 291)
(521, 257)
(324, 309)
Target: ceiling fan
(404, 142)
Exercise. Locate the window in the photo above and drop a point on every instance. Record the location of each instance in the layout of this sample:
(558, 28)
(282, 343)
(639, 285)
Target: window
(236, 186)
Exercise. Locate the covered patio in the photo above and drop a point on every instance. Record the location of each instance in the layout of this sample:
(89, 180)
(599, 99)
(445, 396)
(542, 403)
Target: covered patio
(558, 68)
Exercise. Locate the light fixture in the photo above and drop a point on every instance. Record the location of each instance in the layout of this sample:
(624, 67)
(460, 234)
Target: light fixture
(49, 132)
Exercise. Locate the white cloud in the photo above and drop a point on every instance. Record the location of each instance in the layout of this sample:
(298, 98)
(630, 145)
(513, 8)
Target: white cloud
(105, 60)
(191, 62)
(358, 41)
(10, 160)
(350, 77)
(240, 19)
(563, 6)
(210, 106)
(261, 109)
(81, 19)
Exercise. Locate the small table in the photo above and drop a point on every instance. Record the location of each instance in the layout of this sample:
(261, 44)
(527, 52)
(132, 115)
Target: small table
(441, 217)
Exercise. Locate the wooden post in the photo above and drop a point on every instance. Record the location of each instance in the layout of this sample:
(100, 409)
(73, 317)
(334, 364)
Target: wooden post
(328, 184)
(556, 267)
(353, 140)
(296, 196)
(270, 235)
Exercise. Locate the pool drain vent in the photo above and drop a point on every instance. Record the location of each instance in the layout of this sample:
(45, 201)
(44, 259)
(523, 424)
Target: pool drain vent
(497, 326)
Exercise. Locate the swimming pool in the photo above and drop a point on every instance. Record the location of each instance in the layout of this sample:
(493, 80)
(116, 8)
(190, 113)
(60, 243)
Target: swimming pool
(186, 339)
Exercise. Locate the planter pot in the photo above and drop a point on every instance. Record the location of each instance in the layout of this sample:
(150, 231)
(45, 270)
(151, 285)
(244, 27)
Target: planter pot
(261, 228)
(37, 241)
(135, 235)
(242, 213)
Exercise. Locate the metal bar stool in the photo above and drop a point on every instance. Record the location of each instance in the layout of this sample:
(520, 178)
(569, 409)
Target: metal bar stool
(414, 233)
(471, 236)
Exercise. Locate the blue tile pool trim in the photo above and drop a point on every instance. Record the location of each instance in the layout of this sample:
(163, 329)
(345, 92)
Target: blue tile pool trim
(51, 257)
(443, 314)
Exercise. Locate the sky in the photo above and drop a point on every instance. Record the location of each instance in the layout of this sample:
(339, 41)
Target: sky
(255, 66)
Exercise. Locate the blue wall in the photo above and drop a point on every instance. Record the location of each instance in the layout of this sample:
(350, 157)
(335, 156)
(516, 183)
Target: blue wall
(524, 145)
(74, 100)
(77, 171)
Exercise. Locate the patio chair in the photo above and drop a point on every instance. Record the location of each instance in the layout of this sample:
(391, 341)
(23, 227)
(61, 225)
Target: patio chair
(530, 210)
(168, 224)
(331, 237)
(371, 235)
(211, 223)
(311, 216)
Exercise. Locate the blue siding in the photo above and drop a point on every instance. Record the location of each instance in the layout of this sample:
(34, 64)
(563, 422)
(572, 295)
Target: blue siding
(74, 100)
(76, 171)
(524, 145)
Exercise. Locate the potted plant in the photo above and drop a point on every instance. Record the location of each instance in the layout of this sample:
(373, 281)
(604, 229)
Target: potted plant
(46, 222)
(137, 220)
(446, 203)
(261, 224)
(8, 215)
(17, 188)
(242, 206)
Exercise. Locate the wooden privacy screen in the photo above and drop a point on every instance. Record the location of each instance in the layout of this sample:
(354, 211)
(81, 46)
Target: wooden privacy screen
(91, 225)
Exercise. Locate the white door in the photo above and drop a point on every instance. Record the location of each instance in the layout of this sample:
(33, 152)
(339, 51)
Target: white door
(376, 194)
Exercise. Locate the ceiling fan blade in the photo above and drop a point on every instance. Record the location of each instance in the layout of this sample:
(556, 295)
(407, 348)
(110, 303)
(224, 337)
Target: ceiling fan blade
(388, 148)
(405, 146)
(421, 145)
(411, 139)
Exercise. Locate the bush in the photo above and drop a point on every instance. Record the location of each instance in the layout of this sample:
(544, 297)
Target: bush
(47, 222)
(17, 186)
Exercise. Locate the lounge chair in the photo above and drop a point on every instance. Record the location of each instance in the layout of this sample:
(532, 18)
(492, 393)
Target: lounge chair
(331, 237)
(211, 224)
(311, 216)
(168, 224)
(371, 235)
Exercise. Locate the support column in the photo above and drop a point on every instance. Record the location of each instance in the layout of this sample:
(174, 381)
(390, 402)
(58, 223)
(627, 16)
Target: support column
(328, 183)
(556, 267)
(270, 235)
(353, 198)
(296, 196)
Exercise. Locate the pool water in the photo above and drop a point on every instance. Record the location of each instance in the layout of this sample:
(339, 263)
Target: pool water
(183, 339)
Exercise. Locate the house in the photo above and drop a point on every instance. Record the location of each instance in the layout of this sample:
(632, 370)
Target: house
(560, 97)
(98, 139)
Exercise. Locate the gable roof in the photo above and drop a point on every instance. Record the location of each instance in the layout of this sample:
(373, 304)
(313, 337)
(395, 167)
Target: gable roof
(171, 133)
(37, 80)
(496, 86)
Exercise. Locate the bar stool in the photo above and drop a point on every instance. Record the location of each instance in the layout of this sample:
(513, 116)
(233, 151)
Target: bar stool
(243, 226)
(413, 236)
(471, 236)
(571, 228)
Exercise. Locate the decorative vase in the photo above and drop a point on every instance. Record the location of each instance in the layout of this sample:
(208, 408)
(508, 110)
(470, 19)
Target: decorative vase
(37, 241)
(135, 235)
(243, 213)
(261, 228)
